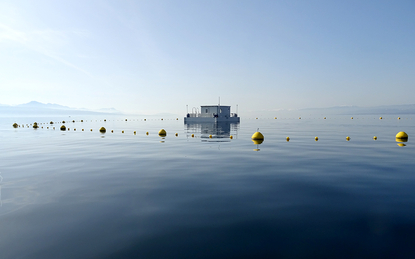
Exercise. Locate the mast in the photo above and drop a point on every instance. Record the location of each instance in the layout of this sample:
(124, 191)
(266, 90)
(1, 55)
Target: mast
(219, 106)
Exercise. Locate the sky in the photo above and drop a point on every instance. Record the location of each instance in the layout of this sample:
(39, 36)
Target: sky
(155, 56)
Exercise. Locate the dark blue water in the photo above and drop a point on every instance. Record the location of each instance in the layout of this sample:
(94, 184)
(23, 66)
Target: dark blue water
(83, 194)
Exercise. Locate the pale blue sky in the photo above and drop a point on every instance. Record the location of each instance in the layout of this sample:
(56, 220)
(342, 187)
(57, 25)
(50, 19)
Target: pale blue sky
(157, 56)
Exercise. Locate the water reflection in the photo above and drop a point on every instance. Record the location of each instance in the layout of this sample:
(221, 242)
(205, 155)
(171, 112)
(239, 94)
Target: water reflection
(400, 140)
(213, 132)
(257, 142)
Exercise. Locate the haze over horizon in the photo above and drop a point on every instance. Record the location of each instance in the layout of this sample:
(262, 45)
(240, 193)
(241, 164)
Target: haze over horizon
(159, 56)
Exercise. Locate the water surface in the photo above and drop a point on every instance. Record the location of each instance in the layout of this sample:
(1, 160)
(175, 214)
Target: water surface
(83, 194)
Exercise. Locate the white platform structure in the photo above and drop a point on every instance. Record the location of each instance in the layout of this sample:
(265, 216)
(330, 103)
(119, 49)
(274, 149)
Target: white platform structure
(211, 113)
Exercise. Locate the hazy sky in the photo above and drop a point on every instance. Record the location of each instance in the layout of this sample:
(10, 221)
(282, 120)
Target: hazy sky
(158, 56)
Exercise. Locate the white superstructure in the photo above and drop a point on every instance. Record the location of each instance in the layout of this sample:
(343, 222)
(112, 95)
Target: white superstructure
(212, 113)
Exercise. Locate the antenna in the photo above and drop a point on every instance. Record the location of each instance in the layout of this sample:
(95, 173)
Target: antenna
(187, 109)
(219, 106)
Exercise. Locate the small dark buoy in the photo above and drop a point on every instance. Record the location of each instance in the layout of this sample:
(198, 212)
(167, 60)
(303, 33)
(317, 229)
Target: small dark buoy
(62, 127)
(15, 125)
(102, 130)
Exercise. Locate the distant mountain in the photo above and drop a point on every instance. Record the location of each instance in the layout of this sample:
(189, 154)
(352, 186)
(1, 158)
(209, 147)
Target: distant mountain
(38, 108)
(34, 104)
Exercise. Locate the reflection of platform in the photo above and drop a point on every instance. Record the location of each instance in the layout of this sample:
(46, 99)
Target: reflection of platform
(220, 131)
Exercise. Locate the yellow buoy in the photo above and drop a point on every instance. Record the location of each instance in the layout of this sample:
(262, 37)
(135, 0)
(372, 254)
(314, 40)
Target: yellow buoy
(177, 134)
(161, 118)
(51, 122)
(105, 120)
(91, 129)
(231, 137)
(177, 119)
(324, 117)
(162, 132)
(257, 136)
(82, 129)
(135, 132)
(193, 135)
(288, 139)
(399, 118)
(53, 127)
(15, 125)
(102, 130)
(375, 138)
(112, 131)
(401, 137)
(144, 119)
(380, 118)
(122, 131)
(352, 118)
(82, 120)
(256, 118)
(62, 127)
(147, 133)
(299, 118)
(125, 119)
(74, 129)
(347, 138)
(63, 121)
(275, 118)
(35, 126)
(69, 129)
(316, 138)
(210, 136)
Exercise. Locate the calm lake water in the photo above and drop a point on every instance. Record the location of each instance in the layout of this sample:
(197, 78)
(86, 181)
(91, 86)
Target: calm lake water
(83, 194)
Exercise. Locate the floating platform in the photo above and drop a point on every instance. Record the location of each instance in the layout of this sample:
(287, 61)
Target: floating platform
(212, 114)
